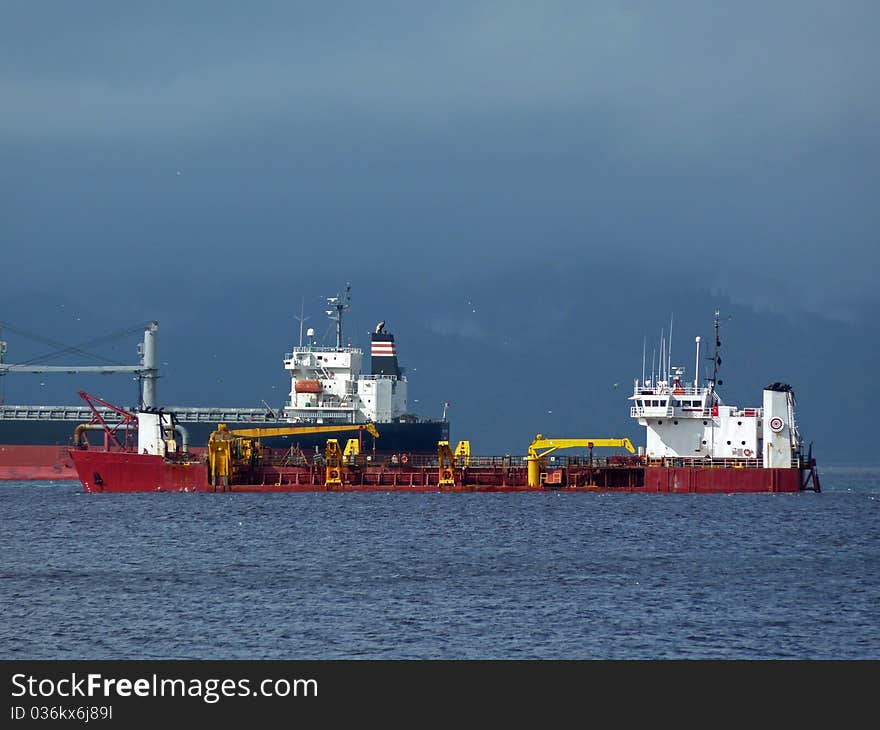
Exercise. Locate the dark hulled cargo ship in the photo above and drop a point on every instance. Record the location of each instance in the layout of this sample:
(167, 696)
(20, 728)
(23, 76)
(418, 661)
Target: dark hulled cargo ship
(328, 387)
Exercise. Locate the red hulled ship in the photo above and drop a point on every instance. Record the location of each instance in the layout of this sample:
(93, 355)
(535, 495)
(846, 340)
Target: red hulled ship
(695, 443)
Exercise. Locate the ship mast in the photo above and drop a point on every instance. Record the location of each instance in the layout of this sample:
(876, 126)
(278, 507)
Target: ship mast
(339, 305)
(302, 319)
(716, 358)
(2, 356)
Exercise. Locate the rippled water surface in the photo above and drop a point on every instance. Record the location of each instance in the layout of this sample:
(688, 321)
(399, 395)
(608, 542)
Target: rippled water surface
(326, 576)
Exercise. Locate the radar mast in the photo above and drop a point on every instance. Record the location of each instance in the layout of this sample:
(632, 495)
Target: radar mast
(339, 304)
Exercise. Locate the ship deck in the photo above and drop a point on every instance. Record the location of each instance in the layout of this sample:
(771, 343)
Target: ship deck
(120, 471)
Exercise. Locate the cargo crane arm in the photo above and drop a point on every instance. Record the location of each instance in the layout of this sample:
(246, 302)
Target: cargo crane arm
(534, 460)
(257, 433)
(551, 445)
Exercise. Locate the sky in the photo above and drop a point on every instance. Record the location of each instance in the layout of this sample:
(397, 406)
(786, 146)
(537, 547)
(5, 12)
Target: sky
(525, 192)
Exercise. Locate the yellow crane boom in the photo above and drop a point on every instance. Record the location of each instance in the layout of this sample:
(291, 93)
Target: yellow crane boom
(548, 446)
(551, 445)
(258, 433)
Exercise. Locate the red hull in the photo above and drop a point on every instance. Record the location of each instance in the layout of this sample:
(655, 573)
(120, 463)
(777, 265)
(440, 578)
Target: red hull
(727, 480)
(25, 463)
(120, 471)
(42, 463)
(101, 471)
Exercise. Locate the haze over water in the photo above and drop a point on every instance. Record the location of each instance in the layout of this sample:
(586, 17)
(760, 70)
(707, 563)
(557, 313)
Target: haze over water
(439, 576)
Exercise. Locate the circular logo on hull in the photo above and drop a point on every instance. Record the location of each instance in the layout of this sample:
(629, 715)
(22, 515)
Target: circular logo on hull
(776, 424)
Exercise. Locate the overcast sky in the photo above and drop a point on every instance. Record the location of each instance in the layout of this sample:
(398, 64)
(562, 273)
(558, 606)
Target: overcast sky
(576, 171)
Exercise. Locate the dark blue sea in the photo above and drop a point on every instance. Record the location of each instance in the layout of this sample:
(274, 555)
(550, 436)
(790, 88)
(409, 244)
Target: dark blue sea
(441, 576)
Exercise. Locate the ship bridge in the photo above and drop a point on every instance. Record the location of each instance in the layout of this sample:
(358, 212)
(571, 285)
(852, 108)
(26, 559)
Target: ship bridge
(688, 421)
(678, 398)
(680, 401)
(329, 385)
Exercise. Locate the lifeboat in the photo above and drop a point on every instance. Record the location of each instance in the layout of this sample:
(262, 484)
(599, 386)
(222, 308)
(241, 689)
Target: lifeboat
(308, 386)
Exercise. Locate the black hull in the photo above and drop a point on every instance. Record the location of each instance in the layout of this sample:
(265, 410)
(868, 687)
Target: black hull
(411, 437)
(394, 438)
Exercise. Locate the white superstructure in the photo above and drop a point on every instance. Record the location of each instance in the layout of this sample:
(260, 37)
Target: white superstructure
(155, 433)
(684, 420)
(328, 385)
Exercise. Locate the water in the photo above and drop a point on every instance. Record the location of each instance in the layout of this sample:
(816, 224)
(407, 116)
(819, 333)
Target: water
(441, 576)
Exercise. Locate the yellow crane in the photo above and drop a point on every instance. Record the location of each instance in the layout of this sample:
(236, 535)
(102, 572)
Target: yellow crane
(226, 447)
(535, 458)
(258, 433)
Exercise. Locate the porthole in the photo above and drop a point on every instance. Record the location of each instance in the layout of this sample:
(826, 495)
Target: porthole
(743, 443)
(704, 442)
(675, 422)
(705, 423)
(728, 443)
(659, 423)
(739, 423)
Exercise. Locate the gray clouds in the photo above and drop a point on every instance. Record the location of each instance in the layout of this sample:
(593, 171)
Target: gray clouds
(689, 78)
(680, 154)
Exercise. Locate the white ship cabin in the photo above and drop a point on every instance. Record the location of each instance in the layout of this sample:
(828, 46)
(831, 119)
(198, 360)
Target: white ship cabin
(685, 421)
(327, 386)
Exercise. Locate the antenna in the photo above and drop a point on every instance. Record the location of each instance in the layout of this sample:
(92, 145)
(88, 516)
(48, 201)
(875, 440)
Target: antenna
(663, 361)
(644, 346)
(339, 304)
(2, 356)
(669, 352)
(660, 373)
(301, 319)
(716, 358)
